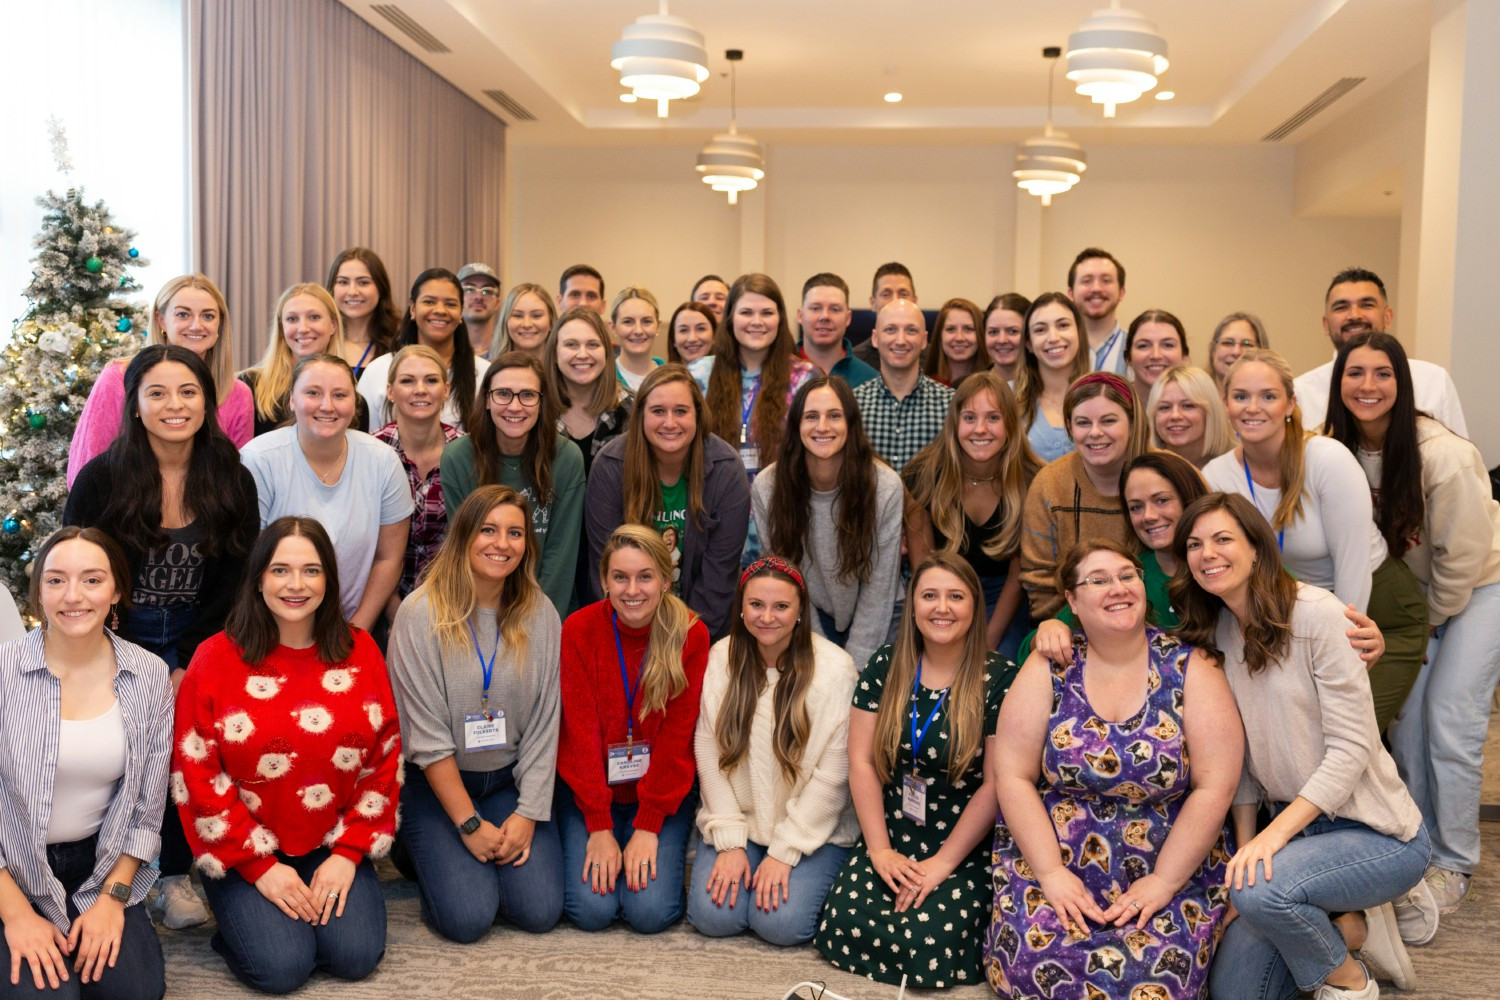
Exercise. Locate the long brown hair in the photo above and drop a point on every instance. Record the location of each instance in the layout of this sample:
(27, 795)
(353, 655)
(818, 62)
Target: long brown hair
(1029, 370)
(119, 567)
(967, 695)
(936, 362)
(747, 679)
(724, 403)
(662, 676)
(385, 321)
(541, 440)
(1291, 459)
(251, 624)
(1114, 388)
(606, 391)
(641, 485)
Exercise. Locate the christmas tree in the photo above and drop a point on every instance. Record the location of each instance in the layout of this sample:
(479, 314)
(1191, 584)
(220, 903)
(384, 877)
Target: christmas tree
(78, 320)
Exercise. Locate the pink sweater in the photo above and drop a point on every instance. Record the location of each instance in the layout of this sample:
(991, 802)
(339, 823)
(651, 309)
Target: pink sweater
(100, 420)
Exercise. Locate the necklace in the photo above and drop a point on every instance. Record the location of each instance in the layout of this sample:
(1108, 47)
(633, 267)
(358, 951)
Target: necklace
(980, 482)
(332, 469)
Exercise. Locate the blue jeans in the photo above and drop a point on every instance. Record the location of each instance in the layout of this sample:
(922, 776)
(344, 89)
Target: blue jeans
(652, 909)
(137, 973)
(158, 629)
(793, 922)
(1284, 940)
(1020, 625)
(463, 897)
(1438, 739)
(271, 952)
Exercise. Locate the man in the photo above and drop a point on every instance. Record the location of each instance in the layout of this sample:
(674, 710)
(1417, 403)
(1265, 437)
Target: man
(1355, 303)
(581, 285)
(892, 281)
(903, 409)
(1096, 284)
(824, 318)
(481, 286)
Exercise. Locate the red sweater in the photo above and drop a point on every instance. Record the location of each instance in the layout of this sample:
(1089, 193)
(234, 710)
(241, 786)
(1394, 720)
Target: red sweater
(593, 716)
(287, 755)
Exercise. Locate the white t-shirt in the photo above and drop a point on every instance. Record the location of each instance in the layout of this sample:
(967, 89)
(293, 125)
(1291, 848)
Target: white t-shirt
(91, 760)
(1432, 387)
(377, 373)
(372, 491)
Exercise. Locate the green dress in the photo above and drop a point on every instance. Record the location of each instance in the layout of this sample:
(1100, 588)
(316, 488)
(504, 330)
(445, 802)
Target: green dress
(941, 943)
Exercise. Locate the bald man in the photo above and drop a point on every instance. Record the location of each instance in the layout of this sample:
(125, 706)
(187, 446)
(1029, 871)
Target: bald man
(903, 409)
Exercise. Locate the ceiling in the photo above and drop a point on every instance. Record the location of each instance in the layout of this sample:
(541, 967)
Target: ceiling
(971, 71)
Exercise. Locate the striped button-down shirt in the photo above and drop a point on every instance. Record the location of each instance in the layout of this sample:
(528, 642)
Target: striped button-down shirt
(899, 428)
(30, 718)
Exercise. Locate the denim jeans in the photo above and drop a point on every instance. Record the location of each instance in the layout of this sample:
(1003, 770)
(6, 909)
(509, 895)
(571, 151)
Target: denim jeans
(463, 897)
(648, 911)
(1283, 940)
(792, 923)
(274, 953)
(137, 973)
(1438, 739)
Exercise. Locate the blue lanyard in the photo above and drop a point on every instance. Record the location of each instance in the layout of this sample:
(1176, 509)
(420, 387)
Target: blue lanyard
(917, 735)
(745, 409)
(1103, 352)
(614, 620)
(359, 365)
(487, 666)
(1280, 535)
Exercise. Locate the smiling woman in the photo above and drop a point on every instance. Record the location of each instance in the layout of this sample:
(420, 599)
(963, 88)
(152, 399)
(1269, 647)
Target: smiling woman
(434, 317)
(307, 323)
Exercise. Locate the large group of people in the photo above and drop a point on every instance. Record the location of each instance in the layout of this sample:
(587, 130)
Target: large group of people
(1009, 647)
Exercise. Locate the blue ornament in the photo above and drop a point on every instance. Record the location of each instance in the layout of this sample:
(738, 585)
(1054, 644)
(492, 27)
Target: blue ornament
(123, 324)
(12, 526)
(134, 252)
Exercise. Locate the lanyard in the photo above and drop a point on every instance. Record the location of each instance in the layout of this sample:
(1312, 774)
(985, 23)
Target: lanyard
(487, 666)
(1280, 535)
(359, 365)
(917, 735)
(614, 620)
(1103, 352)
(745, 409)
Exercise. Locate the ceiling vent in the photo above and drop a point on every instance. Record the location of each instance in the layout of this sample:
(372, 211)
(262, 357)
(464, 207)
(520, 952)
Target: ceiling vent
(510, 106)
(410, 28)
(1313, 108)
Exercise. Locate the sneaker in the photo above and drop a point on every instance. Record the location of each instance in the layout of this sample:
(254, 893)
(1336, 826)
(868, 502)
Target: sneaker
(1449, 888)
(1417, 914)
(1369, 992)
(178, 904)
(1384, 951)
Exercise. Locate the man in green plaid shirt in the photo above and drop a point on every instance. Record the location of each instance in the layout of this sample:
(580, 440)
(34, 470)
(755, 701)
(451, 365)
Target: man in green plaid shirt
(903, 409)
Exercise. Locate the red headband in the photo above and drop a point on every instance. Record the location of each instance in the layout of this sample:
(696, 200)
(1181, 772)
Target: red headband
(1110, 379)
(777, 563)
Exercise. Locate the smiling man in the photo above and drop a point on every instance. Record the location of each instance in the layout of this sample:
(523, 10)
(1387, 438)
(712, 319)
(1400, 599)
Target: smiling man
(903, 409)
(824, 318)
(1096, 284)
(481, 287)
(1355, 303)
(580, 285)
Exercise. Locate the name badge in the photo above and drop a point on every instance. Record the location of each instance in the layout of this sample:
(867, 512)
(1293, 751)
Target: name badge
(484, 731)
(914, 799)
(750, 456)
(626, 761)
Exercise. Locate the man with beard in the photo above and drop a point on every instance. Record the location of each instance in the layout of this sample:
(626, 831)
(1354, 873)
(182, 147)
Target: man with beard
(1096, 284)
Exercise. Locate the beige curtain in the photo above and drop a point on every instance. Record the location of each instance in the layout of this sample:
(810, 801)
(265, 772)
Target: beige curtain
(312, 132)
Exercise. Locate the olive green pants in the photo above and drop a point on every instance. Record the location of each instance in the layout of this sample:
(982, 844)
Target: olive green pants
(1400, 609)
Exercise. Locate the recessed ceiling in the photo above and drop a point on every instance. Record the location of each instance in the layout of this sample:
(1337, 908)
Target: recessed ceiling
(969, 70)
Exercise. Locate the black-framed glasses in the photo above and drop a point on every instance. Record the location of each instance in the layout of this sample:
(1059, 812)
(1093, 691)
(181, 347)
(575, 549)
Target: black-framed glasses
(502, 397)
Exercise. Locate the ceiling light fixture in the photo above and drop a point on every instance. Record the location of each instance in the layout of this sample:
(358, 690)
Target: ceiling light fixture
(732, 163)
(1165, 95)
(893, 98)
(1116, 56)
(660, 58)
(1050, 163)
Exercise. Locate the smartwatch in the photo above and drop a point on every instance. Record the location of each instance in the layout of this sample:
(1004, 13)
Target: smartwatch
(118, 890)
(469, 825)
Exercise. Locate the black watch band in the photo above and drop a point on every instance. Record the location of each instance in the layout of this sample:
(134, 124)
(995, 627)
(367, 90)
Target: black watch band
(469, 825)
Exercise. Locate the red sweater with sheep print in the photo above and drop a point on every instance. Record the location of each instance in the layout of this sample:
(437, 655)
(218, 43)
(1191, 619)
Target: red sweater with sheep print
(288, 755)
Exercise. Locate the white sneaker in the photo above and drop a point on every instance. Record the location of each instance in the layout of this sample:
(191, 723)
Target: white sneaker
(1384, 951)
(1369, 992)
(1417, 914)
(1449, 888)
(178, 905)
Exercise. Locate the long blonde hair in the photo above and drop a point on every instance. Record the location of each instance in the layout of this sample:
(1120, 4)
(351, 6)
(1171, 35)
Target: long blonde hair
(500, 341)
(1292, 456)
(220, 357)
(402, 356)
(662, 676)
(274, 373)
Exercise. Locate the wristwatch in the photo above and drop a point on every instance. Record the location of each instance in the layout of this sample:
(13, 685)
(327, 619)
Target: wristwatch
(469, 825)
(118, 890)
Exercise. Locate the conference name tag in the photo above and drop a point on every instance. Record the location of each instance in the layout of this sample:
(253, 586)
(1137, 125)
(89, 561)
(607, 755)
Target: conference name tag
(626, 761)
(484, 731)
(914, 799)
(750, 456)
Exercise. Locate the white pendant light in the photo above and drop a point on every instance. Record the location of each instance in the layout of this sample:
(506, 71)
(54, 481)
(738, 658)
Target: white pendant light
(660, 58)
(732, 163)
(1050, 163)
(1116, 56)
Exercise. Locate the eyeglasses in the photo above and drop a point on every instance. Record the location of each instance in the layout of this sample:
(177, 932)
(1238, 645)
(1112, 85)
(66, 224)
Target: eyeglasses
(1244, 345)
(1099, 581)
(502, 397)
(488, 291)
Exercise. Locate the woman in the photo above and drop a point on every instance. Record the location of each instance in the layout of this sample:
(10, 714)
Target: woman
(1078, 496)
(955, 353)
(287, 770)
(1187, 415)
(712, 292)
(528, 315)
(515, 442)
(351, 483)
(307, 323)
(592, 406)
(417, 390)
(692, 332)
(668, 472)
(1005, 331)
(1155, 342)
(829, 504)
(1316, 498)
(434, 318)
(361, 289)
(633, 319)
(1123, 833)
(1234, 335)
(1434, 507)
(913, 897)
(189, 312)
(172, 491)
(773, 765)
(83, 780)
(632, 678)
(1344, 833)
(483, 736)
(967, 492)
(1053, 361)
